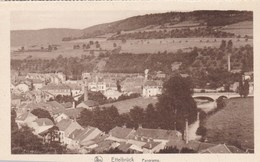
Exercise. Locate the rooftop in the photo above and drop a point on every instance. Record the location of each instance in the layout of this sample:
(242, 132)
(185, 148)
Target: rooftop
(43, 121)
(120, 132)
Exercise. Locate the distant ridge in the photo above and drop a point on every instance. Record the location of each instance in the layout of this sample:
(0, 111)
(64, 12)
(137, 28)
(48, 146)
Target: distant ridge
(55, 35)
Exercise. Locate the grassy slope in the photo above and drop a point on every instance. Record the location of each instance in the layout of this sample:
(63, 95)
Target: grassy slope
(126, 105)
(234, 122)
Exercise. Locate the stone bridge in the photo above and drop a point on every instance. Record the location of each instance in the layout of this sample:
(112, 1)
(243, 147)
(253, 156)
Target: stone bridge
(216, 95)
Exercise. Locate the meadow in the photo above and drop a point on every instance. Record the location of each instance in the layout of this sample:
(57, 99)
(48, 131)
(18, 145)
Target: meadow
(234, 124)
(131, 46)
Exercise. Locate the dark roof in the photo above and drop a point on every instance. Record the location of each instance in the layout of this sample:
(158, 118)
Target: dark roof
(25, 115)
(104, 145)
(84, 133)
(220, 148)
(124, 146)
(73, 113)
(53, 106)
(64, 124)
(120, 132)
(35, 81)
(53, 86)
(151, 145)
(158, 133)
(153, 83)
(43, 121)
(67, 105)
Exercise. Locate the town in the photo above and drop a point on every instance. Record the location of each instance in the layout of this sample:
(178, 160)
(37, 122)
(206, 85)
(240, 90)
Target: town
(184, 86)
(65, 99)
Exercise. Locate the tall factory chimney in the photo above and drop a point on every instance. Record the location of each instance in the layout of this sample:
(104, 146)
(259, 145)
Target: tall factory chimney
(85, 93)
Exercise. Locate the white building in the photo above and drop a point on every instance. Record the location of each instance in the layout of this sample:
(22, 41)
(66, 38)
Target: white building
(152, 88)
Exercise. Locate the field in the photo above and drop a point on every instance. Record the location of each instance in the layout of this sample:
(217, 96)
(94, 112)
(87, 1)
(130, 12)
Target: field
(126, 105)
(131, 46)
(234, 124)
(241, 28)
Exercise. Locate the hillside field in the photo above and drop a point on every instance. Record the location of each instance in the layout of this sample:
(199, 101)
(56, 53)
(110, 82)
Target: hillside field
(131, 46)
(234, 124)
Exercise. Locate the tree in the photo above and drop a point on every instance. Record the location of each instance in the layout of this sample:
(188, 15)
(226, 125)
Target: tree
(187, 150)
(41, 113)
(118, 86)
(151, 117)
(23, 141)
(137, 115)
(14, 126)
(114, 45)
(243, 88)
(176, 104)
(223, 45)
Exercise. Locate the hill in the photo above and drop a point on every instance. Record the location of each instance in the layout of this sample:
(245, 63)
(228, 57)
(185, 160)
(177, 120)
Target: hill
(159, 20)
(234, 124)
(42, 36)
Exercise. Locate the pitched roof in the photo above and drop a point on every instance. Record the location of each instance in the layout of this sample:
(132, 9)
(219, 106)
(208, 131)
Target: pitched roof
(153, 83)
(64, 124)
(120, 132)
(124, 146)
(35, 81)
(53, 86)
(73, 113)
(67, 104)
(24, 116)
(52, 106)
(220, 148)
(43, 121)
(158, 133)
(73, 86)
(90, 103)
(234, 149)
(151, 145)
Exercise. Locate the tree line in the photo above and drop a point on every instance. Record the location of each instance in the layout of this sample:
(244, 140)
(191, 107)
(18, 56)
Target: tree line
(208, 32)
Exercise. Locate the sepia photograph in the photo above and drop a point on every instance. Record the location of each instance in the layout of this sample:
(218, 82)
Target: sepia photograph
(132, 82)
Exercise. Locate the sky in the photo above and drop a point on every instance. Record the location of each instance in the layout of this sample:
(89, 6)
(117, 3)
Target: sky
(28, 20)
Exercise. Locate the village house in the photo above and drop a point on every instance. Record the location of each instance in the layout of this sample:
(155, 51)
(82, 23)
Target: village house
(120, 134)
(40, 125)
(97, 85)
(53, 107)
(57, 89)
(86, 103)
(16, 100)
(56, 78)
(75, 89)
(25, 119)
(112, 94)
(152, 88)
(89, 104)
(66, 127)
(37, 84)
(133, 85)
(22, 87)
(83, 137)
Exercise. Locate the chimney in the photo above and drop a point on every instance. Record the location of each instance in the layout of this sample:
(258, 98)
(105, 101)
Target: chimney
(96, 79)
(150, 145)
(186, 131)
(73, 105)
(175, 126)
(124, 126)
(85, 93)
(229, 64)
(198, 116)
(140, 126)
